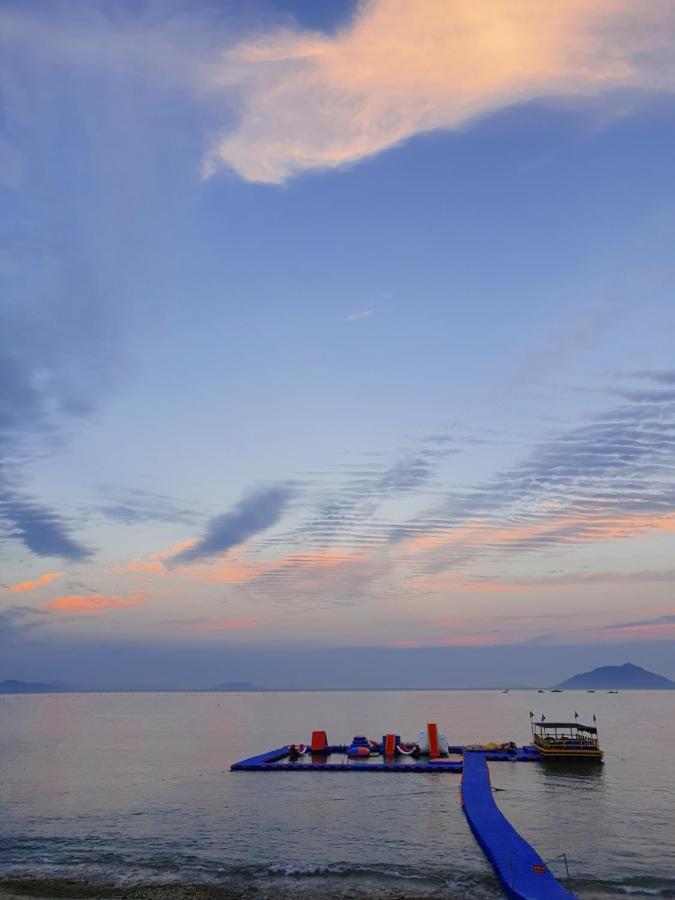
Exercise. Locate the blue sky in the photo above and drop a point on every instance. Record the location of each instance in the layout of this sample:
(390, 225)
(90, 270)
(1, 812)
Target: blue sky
(335, 327)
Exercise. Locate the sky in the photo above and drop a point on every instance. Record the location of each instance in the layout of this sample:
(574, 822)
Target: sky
(337, 341)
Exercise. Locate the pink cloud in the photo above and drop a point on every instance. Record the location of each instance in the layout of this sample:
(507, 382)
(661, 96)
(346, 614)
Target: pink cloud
(47, 578)
(93, 603)
(153, 563)
(400, 68)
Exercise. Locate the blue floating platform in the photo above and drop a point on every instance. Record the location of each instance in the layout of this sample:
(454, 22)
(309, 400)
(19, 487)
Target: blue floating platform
(522, 872)
(279, 760)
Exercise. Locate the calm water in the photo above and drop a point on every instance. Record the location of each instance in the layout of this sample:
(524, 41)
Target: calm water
(112, 794)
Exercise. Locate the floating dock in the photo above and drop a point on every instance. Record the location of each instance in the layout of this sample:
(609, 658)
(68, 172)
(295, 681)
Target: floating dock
(522, 872)
(276, 760)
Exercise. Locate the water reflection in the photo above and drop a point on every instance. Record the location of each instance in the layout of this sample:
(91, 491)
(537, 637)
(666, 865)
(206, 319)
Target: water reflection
(572, 770)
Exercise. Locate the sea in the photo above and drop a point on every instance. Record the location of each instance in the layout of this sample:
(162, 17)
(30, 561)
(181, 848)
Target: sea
(131, 796)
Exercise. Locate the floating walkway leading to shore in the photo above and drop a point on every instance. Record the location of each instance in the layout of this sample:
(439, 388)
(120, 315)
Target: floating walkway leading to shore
(522, 872)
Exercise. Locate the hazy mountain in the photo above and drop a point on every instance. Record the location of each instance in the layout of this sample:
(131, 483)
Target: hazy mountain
(626, 676)
(29, 687)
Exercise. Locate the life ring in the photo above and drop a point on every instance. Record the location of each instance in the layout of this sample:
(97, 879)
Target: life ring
(296, 750)
(407, 749)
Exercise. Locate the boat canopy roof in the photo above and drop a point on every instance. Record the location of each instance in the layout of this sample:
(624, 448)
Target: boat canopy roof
(591, 729)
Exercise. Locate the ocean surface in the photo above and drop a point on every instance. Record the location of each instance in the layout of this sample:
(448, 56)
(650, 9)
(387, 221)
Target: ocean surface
(130, 795)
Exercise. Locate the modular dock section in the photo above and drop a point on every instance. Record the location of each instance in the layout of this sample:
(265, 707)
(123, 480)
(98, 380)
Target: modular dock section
(280, 759)
(522, 872)
(275, 760)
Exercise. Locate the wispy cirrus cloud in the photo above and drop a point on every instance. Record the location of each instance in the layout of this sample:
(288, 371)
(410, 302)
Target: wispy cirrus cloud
(359, 314)
(347, 512)
(656, 622)
(493, 584)
(132, 506)
(608, 479)
(313, 101)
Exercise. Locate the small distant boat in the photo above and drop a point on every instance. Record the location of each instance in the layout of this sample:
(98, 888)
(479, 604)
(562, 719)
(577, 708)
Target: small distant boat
(566, 740)
(540, 691)
(505, 691)
(590, 691)
(556, 690)
(612, 692)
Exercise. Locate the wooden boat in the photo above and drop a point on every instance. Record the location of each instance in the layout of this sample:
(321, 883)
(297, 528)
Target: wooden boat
(566, 740)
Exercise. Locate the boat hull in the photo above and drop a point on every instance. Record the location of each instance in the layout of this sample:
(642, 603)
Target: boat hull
(562, 753)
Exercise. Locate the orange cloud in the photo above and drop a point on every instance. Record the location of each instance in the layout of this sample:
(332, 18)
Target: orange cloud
(226, 572)
(313, 101)
(235, 571)
(93, 603)
(477, 537)
(47, 578)
(153, 563)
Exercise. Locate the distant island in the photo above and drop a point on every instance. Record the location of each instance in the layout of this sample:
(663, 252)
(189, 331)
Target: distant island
(237, 686)
(627, 676)
(12, 686)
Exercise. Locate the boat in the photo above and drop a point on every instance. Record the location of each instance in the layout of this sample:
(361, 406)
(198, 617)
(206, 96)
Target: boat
(566, 740)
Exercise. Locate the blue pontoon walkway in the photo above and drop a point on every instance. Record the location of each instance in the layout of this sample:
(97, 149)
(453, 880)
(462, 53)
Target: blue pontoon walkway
(522, 872)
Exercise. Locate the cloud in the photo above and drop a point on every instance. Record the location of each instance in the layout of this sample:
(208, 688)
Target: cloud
(57, 363)
(42, 530)
(605, 480)
(660, 376)
(258, 511)
(94, 603)
(359, 314)
(347, 513)
(136, 507)
(47, 578)
(320, 580)
(206, 624)
(668, 619)
(153, 563)
(16, 621)
(311, 101)
(491, 584)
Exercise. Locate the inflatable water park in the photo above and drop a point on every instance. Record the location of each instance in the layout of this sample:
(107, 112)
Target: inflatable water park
(522, 873)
